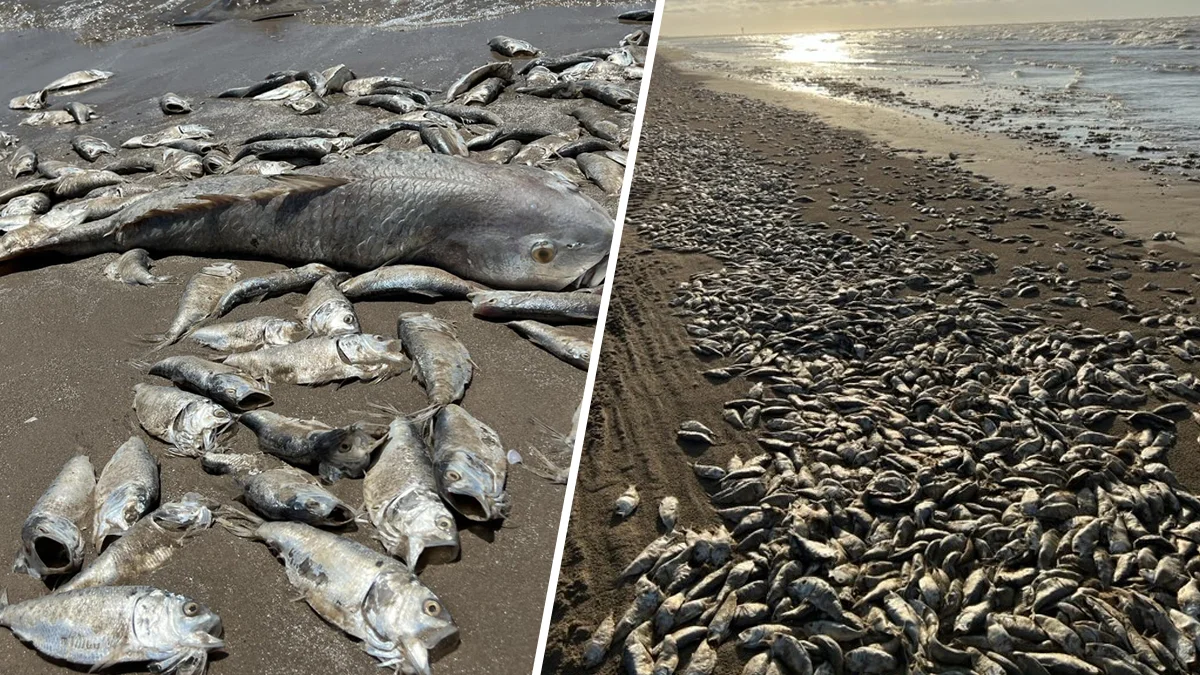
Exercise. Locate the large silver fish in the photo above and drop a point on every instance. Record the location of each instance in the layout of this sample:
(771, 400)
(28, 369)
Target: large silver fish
(505, 226)
(369, 595)
(119, 624)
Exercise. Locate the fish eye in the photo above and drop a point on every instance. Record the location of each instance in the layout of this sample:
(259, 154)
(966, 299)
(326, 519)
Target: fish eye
(453, 476)
(345, 447)
(348, 319)
(191, 609)
(543, 252)
(231, 390)
(444, 523)
(432, 608)
(220, 414)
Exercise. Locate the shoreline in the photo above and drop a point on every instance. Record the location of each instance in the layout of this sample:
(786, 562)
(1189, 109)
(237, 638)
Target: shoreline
(1148, 203)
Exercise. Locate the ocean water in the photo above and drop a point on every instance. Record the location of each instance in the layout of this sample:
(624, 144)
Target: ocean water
(1125, 89)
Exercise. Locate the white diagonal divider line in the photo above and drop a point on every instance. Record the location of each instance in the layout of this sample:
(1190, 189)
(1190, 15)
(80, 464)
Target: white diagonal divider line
(597, 338)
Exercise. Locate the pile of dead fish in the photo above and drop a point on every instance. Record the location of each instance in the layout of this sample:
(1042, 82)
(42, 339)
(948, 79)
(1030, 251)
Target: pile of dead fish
(521, 242)
(937, 481)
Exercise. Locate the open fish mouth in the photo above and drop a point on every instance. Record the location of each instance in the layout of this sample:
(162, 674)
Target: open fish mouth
(593, 277)
(252, 400)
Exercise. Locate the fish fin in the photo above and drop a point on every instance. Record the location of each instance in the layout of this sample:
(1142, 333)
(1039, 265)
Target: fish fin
(176, 451)
(553, 432)
(386, 410)
(298, 182)
(425, 414)
(239, 523)
(143, 366)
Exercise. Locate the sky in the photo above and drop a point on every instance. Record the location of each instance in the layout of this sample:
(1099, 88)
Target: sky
(711, 17)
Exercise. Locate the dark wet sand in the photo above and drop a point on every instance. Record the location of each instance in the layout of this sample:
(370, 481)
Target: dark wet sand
(68, 334)
(648, 379)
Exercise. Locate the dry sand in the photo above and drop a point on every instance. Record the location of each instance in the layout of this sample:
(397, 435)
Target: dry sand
(648, 379)
(68, 335)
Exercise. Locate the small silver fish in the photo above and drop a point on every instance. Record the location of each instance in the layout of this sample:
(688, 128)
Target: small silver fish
(174, 104)
(287, 493)
(223, 384)
(190, 424)
(512, 47)
(471, 465)
(335, 452)
(250, 334)
(126, 490)
(78, 78)
(439, 361)
(575, 350)
(627, 503)
(402, 280)
(51, 543)
(321, 360)
(90, 147)
(200, 297)
(133, 268)
(544, 306)
(34, 101)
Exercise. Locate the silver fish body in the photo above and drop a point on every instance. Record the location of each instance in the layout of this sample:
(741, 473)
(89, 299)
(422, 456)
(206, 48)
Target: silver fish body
(401, 497)
(250, 334)
(51, 542)
(602, 171)
(287, 493)
(133, 268)
(200, 296)
(221, 383)
(471, 465)
(119, 624)
(401, 280)
(544, 306)
(321, 360)
(78, 78)
(499, 69)
(127, 489)
(439, 361)
(501, 225)
(174, 104)
(367, 594)
(574, 350)
(190, 424)
(34, 101)
(91, 148)
(148, 544)
(326, 312)
(512, 47)
(336, 452)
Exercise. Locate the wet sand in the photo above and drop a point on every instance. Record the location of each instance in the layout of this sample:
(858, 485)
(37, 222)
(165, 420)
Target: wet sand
(69, 334)
(648, 379)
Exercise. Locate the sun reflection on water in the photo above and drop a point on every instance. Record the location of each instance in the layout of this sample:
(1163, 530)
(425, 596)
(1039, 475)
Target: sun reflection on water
(816, 48)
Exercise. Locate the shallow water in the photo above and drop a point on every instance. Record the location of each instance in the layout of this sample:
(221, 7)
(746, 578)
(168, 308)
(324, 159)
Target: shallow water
(1124, 88)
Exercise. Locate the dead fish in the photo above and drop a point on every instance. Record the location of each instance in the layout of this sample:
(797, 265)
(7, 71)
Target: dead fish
(668, 512)
(24, 160)
(500, 69)
(99, 627)
(79, 183)
(627, 503)
(335, 452)
(81, 113)
(174, 104)
(51, 543)
(365, 85)
(367, 594)
(603, 124)
(32, 204)
(8, 140)
(471, 465)
(336, 77)
(34, 101)
(321, 360)
(126, 490)
(90, 147)
(692, 431)
(484, 93)
(544, 306)
(180, 131)
(216, 161)
(78, 78)
(408, 280)
(287, 493)
(133, 268)
(444, 140)
(439, 361)
(604, 172)
(255, 167)
(293, 148)
(326, 312)
(290, 280)
(308, 105)
(585, 144)
(148, 544)
(301, 132)
(400, 494)
(638, 38)
(221, 383)
(290, 91)
(250, 334)
(512, 47)
(200, 297)
(190, 424)
(599, 643)
(574, 350)
(394, 103)
(48, 118)
(500, 154)
(608, 93)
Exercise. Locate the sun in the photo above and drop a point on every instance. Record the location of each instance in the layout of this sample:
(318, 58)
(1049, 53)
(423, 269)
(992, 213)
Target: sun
(816, 48)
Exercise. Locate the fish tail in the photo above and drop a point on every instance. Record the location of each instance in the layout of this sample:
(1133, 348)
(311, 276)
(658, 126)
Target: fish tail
(3, 600)
(239, 523)
(138, 364)
(426, 414)
(385, 410)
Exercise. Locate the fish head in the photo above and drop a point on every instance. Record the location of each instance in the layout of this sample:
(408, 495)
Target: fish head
(242, 391)
(471, 486)
(419, 530)
(366, 349)
(315, 505)
(207, 422)
(193, 511)
(405, 621)
(167, 623)
(334, 318)
(545, 235)
(120, 510)
(345, 452)
(51, 545)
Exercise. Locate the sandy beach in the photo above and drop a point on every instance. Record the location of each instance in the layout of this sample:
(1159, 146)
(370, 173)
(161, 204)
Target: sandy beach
(70, 335)
(853, 168)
